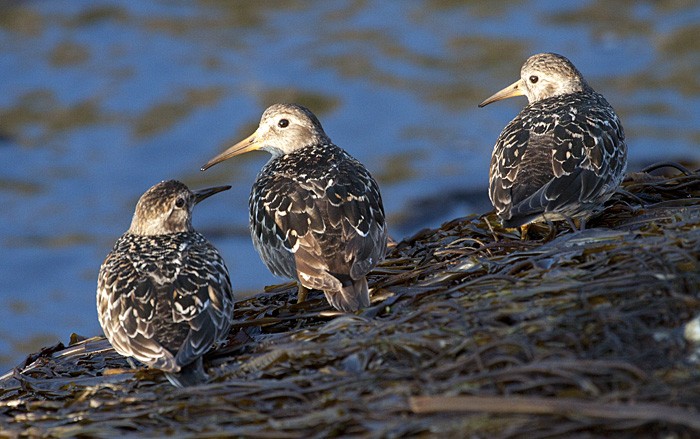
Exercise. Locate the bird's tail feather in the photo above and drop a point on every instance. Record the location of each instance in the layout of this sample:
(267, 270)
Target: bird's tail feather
(190, 375)
(351, 297)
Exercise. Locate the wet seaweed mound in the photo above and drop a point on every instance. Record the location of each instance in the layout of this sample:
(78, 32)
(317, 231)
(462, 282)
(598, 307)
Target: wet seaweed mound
(472, 331)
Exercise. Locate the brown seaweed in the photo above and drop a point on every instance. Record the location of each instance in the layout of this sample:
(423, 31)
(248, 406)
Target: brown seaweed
(471, 332)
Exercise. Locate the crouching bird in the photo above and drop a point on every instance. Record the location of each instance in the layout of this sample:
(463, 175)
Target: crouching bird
(163, 293)
(564, 155)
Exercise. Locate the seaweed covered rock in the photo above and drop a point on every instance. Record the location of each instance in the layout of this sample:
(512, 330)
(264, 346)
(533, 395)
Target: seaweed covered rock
(471, 331)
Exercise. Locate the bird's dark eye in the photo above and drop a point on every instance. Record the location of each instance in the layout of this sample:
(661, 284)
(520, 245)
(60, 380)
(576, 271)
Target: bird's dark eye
(180, 202)
(534, 79)
(283, 123)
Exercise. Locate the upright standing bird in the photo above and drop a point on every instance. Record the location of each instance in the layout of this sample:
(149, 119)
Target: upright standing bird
(163, 292)
(564, 155)
(316, 213)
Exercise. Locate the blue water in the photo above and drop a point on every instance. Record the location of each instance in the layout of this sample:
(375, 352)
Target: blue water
(99, 100)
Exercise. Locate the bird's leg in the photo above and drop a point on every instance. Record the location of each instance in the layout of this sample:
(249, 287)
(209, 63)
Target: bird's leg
(523, 231)
(302, 292)
(576, 225)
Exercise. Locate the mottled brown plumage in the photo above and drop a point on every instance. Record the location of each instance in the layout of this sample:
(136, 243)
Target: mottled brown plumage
(163, 293)
(564, 155)
(316, 213)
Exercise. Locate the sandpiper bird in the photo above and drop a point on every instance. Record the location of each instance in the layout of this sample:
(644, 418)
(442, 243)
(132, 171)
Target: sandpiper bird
(316, 213)
(564, 155)
(163, 292)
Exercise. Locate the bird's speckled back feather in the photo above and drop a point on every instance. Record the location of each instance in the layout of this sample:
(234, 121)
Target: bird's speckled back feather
(164, 300)
(316, 215)
(562, 156)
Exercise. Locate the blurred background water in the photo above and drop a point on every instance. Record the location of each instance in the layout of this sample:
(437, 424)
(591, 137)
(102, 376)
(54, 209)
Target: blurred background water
(99, 100)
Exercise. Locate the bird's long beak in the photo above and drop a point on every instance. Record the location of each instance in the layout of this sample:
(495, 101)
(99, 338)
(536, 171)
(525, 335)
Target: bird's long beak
(248, 144)
(515, 89)
(203, 194)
